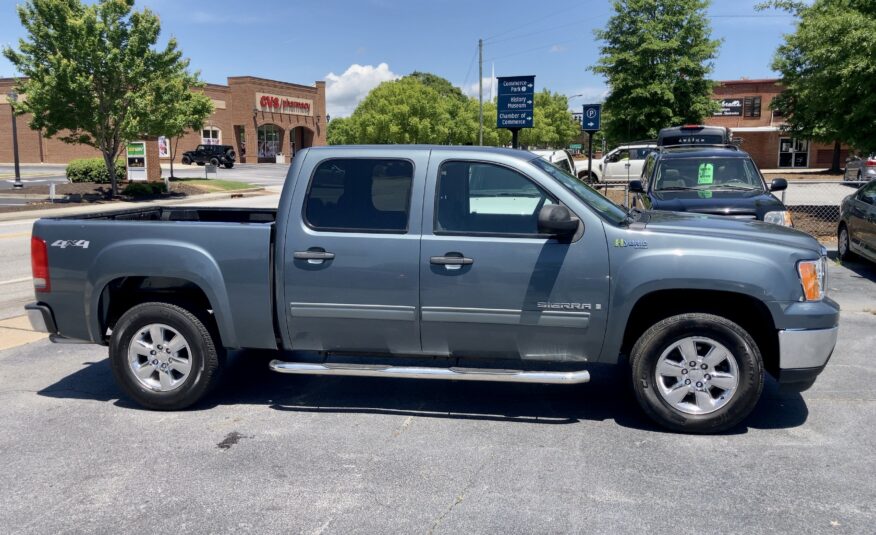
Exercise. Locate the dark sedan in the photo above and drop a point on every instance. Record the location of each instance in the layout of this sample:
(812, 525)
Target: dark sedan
(856, 234)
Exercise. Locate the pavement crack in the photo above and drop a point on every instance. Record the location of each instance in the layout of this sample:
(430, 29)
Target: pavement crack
(461, 496)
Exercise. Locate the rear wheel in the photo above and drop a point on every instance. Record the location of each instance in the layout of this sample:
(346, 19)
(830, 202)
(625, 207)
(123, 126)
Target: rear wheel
(163, 356)
(843, 244)
(697, 373)
(186, 160)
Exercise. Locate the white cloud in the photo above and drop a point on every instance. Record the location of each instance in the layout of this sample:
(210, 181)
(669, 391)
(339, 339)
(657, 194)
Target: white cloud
(343, 92)
(472, 88)
(588, 95)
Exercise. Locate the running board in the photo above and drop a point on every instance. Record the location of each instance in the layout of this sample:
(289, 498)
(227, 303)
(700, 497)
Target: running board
(417, 372)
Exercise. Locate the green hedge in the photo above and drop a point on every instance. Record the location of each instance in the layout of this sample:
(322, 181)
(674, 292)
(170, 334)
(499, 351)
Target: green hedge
(144, 189)
(93, 170)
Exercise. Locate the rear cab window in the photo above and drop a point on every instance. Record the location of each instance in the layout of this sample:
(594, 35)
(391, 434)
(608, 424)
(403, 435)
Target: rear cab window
(360, 195)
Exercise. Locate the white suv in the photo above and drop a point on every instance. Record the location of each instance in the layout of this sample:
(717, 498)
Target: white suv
(621, 164)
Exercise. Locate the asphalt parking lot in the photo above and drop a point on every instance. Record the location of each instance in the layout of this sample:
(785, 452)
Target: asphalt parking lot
(270, 453)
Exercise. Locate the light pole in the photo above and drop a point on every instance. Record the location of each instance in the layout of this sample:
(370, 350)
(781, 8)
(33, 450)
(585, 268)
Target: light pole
(13, 98)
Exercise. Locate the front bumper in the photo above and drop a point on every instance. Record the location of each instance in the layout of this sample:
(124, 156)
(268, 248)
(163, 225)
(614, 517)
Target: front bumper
(803, 354)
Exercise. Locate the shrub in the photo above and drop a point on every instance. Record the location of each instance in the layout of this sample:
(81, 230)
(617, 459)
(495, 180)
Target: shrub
(93, 170)
(144, 189)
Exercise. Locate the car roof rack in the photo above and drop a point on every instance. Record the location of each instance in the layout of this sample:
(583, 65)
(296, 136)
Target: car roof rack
(700, 145)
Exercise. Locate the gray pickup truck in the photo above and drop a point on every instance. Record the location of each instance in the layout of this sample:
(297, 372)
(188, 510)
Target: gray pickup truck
(459, 263)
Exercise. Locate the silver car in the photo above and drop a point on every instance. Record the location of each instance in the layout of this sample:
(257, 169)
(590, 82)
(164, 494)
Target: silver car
(860, 168)
(856, 233)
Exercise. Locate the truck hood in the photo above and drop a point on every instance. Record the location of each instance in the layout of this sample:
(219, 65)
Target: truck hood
(718, 202)
(727, 227)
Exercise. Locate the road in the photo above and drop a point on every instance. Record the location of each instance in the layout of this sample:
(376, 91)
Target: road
(258, 174)
(278, 454)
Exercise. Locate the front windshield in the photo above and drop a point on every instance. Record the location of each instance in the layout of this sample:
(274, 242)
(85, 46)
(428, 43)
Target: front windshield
(707, 174)
(593, 198)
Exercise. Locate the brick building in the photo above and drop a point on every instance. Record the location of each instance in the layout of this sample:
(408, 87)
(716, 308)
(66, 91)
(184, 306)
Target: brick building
(260, 118)
(745, 108)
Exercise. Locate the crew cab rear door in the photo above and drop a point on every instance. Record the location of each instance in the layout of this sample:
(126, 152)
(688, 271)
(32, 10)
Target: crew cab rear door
(350, 271)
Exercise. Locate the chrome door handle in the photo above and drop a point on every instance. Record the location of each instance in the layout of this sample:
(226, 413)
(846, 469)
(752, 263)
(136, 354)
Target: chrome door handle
(451, 260)
(313, 255)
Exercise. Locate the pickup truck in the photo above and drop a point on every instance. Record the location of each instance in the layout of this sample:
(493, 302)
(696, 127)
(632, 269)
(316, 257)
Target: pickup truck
(435, 262)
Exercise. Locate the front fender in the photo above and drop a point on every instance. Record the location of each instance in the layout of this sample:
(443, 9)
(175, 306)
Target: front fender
(158, 258)
(642, 272)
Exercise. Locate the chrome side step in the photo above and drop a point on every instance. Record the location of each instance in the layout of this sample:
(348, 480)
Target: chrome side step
(419, 372)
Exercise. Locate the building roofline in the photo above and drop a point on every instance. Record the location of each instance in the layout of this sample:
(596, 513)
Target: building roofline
(268, 80)
(776, 81)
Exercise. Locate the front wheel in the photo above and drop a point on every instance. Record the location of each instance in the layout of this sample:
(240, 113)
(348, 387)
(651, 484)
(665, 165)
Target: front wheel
(163, 356)
(697, 373)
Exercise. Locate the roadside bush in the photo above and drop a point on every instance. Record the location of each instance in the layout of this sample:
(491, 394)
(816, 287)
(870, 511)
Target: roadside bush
(144, 189)
(93, 170)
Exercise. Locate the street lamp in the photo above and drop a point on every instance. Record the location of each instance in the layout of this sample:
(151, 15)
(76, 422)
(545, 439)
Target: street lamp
(13, 98)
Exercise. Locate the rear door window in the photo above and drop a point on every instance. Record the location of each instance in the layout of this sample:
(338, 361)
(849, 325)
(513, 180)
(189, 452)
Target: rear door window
(360, 195)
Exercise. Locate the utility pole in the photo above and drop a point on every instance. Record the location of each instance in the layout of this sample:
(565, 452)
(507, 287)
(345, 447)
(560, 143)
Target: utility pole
(480, 91)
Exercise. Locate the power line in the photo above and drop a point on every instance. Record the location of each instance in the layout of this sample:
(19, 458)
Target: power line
(470, 65)
(530, 22)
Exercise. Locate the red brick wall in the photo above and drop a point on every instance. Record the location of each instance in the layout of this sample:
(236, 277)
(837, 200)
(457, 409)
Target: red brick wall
(238, 97)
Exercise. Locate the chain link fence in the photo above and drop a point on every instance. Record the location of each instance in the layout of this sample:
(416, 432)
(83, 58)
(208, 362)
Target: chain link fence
(814, 204)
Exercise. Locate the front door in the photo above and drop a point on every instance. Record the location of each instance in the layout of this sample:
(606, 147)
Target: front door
(351, 259)
(793, 152)
(491, 285)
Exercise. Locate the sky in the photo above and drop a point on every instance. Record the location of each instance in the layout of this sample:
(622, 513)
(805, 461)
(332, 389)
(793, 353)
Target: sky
(354, 45)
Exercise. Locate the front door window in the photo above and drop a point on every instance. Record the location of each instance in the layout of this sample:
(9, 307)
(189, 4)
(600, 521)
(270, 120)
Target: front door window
(793, 152)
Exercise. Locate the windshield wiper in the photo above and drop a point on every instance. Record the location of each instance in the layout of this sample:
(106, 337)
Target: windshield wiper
(679, 188)
(734, 186)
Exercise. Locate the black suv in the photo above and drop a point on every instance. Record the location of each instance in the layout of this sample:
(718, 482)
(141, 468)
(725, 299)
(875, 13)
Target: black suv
(212, 154)
(708, 180)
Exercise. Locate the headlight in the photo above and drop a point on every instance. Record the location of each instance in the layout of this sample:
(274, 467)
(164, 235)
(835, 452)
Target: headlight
(779, 217)
(813, 278)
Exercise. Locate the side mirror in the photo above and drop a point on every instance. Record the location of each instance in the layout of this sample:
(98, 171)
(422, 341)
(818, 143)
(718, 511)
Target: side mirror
(636, 186)
(557, 220)
(778, 184)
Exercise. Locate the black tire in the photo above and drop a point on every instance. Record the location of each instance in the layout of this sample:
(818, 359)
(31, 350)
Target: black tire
(230, 154)
(843, 247)
(200, 163)
(214, 161)
(646, 354)
(204, 359)
(186, 160)
(229, 165)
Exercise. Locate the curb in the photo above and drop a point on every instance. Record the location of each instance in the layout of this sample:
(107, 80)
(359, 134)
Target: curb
(121, 205)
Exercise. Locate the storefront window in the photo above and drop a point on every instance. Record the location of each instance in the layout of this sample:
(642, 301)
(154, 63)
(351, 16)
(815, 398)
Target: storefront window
(793, 152)
(211, 136)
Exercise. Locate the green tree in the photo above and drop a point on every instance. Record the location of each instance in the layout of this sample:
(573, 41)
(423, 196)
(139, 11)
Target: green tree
(552, 124)
(656, 56)
(406, 111)
(93, 74)
(179, 107)
(828, 69)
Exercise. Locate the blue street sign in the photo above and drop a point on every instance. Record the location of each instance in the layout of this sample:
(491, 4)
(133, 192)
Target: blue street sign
(591, 117)
(516, 102)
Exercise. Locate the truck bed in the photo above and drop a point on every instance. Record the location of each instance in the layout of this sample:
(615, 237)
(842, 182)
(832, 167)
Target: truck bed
(185, 213)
